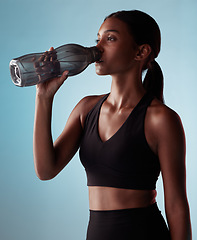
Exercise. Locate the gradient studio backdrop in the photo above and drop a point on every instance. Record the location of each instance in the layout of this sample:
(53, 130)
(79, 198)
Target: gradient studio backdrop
(58, 209)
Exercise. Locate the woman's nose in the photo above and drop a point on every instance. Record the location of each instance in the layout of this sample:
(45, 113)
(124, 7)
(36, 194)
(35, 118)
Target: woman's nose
(100, 47)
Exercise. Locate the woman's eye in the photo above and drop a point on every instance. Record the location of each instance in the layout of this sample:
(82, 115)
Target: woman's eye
(110, 39)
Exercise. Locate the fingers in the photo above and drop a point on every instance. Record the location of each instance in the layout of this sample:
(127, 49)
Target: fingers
(49, 88)
(51, 49)
(50, 55)
(64, 75)
(48, 67)
(41, 59)
(46, 56)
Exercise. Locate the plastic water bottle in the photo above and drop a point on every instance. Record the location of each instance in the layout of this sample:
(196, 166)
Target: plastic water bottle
(35, 68)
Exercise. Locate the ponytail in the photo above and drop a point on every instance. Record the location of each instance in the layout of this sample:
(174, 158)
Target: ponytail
(153, 81)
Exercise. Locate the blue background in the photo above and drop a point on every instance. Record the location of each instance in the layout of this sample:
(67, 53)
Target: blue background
(58, 209)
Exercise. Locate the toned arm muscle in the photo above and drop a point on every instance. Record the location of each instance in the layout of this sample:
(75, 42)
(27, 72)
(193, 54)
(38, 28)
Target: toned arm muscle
(50, 158)
(170, 138)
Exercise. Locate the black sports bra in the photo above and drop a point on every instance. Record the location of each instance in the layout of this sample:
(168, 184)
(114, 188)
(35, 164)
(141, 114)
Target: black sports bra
(123, 161)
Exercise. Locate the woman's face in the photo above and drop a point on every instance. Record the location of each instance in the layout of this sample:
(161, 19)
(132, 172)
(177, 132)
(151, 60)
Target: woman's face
(117, 46)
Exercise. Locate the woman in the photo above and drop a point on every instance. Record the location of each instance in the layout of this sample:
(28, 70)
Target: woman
(125, 137)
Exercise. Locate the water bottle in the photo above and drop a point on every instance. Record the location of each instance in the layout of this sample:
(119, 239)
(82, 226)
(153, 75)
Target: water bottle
(35, 68)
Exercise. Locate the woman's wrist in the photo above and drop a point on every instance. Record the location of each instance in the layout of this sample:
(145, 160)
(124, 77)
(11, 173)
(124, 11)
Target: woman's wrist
(44, 100)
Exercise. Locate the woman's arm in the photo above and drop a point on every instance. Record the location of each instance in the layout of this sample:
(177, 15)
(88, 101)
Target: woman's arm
(46, 158)
(50, 158)
(171, 151)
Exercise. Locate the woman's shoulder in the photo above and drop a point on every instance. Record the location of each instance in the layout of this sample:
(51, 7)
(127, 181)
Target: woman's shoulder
(163, 119)
(160, 112)
(163, 126)
(86, 104)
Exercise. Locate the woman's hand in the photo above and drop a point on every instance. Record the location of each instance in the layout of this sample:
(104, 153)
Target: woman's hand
(48, 88)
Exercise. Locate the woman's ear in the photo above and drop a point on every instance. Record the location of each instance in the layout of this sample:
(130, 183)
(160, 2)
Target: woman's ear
(143, 52)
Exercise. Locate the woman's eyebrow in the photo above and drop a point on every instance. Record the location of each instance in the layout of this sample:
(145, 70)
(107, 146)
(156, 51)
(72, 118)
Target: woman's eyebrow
(109, 30)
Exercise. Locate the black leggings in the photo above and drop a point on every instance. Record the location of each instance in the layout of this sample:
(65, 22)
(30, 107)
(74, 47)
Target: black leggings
(128, 224)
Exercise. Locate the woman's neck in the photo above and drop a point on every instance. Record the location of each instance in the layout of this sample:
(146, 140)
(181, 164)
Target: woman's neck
(126, 91)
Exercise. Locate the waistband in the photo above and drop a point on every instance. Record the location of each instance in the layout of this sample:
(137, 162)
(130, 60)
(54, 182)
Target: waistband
(144, 210)
(123, 216)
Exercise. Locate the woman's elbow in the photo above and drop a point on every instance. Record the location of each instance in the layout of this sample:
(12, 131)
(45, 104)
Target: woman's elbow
(43, 177)
(43, 173)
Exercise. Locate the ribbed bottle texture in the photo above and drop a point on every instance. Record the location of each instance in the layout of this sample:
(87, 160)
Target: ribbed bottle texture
(35, 68)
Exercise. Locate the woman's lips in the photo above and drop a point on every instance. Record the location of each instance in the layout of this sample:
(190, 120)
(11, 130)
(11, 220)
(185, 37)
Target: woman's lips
(100, 61)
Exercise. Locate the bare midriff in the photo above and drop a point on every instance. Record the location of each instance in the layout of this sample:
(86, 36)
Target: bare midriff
(109, 198)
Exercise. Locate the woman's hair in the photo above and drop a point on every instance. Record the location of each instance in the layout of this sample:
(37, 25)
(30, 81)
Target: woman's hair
(145, 30)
